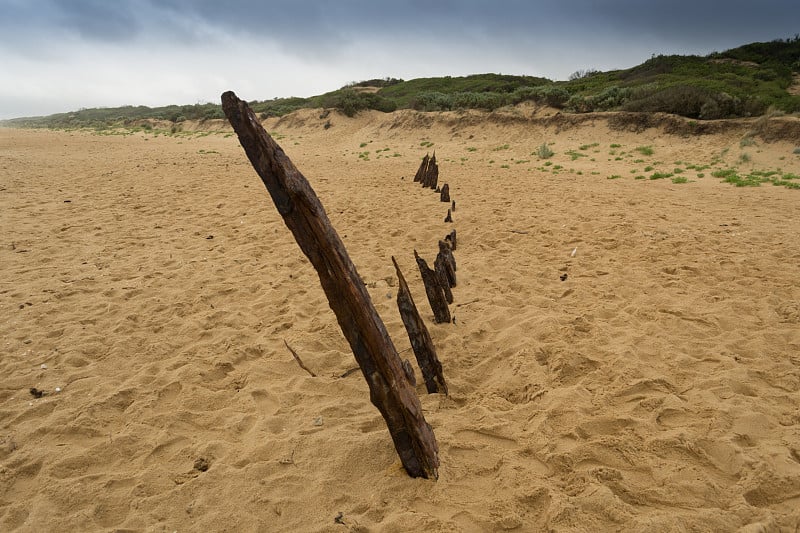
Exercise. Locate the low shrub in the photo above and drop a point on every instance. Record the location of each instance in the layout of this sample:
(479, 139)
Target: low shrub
(544, 151)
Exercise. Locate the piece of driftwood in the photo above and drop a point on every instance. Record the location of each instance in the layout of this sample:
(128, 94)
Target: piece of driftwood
(421, 341)
(449, 262)
(453, 207)
(299, 361)
(449, 217)
(450, 238)
(434, 291)
(347, 296)
(441, 271)
(444, 195)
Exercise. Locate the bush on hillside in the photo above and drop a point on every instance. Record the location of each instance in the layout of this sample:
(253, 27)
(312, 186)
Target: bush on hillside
(548, 95)
(609, 98)
(432, 101)
(486, 101)
(350, 102)
(693, 102)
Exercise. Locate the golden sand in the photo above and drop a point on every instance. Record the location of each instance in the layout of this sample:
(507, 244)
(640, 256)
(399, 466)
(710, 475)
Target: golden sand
(152, 281)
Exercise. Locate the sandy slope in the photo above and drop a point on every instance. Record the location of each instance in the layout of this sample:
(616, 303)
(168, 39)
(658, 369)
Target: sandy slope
(656, 388)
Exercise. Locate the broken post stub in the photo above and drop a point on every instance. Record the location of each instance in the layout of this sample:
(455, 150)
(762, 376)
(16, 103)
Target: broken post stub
(434, 291)
(441, 271)
(450, 238)
(431, 179)
(449, 261)
(347, 296)
(421, 341)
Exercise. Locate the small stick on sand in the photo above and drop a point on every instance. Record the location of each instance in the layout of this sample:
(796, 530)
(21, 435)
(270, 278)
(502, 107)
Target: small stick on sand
(351, 371)
(299, 361)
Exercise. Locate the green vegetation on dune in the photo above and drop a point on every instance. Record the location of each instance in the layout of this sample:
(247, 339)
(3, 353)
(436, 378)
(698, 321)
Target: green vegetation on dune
(419, 93)
(106, 117)
(744, 81)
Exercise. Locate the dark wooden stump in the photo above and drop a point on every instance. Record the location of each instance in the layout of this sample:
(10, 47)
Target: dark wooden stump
(441, 271)
(451, 239)
(296, 201)
(431, 178)
(448, 261)
(422, 170)
(420, 339)
(449, 217)
(434, 291)
(445, 193)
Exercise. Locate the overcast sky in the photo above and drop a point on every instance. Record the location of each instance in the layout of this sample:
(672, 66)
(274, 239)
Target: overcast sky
(62, 55)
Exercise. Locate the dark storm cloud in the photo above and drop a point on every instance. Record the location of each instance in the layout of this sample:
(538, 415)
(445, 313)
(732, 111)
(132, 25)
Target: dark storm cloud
(325, 25)
(45, 22)
(99, 19)
(696, 22)
(316, 20)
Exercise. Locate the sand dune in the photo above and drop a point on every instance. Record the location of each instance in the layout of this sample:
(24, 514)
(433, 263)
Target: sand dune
(151, 280)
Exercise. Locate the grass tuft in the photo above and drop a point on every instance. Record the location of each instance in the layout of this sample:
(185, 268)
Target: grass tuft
(544, 151)
(660, 175)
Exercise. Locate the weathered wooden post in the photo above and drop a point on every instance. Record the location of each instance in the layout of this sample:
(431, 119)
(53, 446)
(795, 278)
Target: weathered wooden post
(434, 291)
(450, 238)
(390, 390)
(449, 261)
(421, 341)
(431, 178)
(444, 194)
(441, 270)
(422, 170)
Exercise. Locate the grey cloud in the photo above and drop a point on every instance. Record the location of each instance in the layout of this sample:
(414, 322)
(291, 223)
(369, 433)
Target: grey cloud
(323, 26)
(99, 19)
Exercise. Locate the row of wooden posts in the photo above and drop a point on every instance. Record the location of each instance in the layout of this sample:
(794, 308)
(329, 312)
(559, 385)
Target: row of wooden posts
(439, 280)
(391, 387)
(438, 283)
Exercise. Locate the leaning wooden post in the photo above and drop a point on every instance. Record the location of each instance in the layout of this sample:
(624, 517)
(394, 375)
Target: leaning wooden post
(305, 217)
(420, 339)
